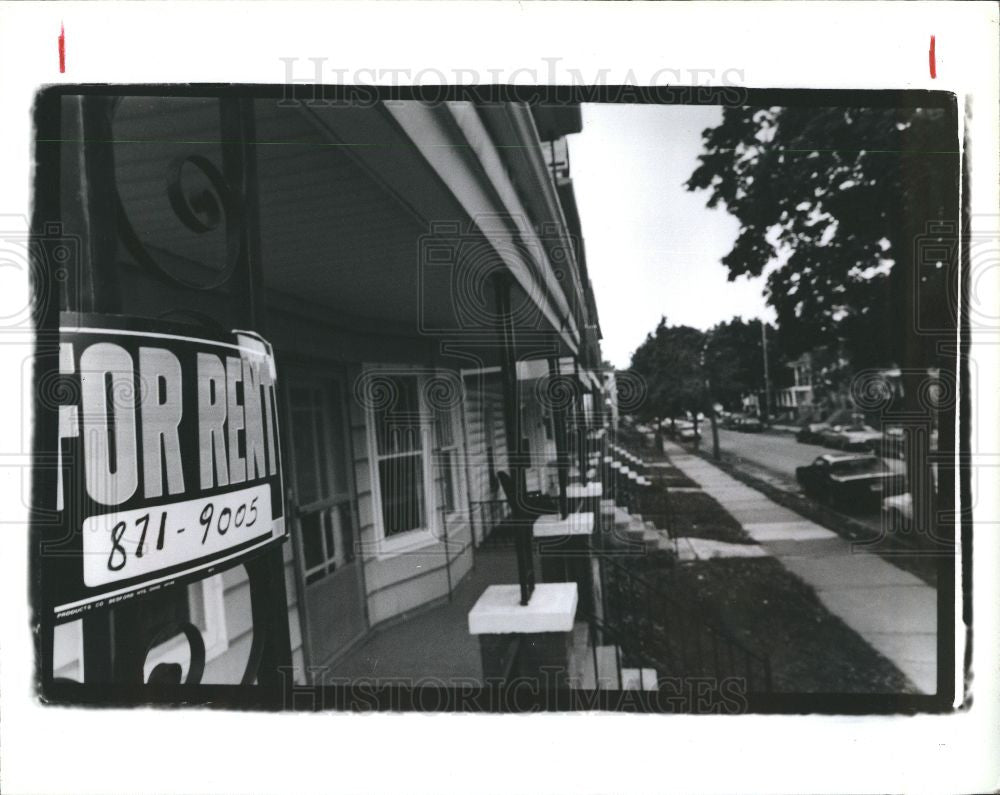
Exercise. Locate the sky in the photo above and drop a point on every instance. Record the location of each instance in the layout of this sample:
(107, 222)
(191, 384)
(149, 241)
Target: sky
(653, 248)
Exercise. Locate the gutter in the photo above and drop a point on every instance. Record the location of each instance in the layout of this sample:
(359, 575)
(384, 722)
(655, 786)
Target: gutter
(524, 125)
(466, 117)
(448, 140)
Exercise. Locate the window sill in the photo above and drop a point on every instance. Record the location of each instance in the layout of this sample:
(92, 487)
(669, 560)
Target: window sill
(404, 543)
(457, 521)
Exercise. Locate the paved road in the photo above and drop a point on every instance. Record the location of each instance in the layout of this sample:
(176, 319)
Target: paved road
(778, 452)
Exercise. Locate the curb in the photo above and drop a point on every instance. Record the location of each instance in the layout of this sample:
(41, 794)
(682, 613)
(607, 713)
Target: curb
(840, 524)
(892, 549)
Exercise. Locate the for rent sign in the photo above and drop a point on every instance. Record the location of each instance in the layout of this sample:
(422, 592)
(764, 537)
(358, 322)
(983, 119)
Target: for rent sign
(169, 458)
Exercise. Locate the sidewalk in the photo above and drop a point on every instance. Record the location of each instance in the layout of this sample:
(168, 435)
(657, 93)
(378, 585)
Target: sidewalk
(892, 610)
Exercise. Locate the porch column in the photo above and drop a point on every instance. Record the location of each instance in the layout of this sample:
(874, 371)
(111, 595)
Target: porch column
(534, 642)
(562, 448)
(581, 423)
(598, 408)
(512, 428)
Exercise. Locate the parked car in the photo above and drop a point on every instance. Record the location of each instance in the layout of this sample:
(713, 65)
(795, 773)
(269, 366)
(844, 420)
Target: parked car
(892, 443)
(743, 422)
(854, 479)
(750, 424)
(807, 434)
(810, 432)
(685, 430)
(889, 444)
(897, 512)
(856, 437)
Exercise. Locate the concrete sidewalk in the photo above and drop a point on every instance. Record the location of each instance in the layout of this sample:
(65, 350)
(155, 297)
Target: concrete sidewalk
(894, 611)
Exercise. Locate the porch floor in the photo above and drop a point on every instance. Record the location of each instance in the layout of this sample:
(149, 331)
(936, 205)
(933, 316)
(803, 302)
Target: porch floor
(433, 646)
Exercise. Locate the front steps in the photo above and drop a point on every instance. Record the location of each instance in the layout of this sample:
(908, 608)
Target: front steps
(582, 674)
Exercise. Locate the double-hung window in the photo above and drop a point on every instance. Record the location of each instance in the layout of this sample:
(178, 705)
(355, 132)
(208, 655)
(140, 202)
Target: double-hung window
(400, 456)
(447, 472)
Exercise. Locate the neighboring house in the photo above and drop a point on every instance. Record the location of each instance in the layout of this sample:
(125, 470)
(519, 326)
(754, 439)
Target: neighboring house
(382, 243)
(795, 400)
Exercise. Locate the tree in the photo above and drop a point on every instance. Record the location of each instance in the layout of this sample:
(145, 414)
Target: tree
(669, 361)
(823, 192)
(848, 204)
(734, 360)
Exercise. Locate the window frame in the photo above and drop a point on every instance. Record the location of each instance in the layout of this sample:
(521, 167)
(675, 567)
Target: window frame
(455, 472)
(427, 534)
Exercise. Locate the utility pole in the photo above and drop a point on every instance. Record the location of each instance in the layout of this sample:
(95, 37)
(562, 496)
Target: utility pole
(767, 374)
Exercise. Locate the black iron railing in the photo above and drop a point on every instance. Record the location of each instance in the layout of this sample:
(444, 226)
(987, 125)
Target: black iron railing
(678, 639)
(489, 518)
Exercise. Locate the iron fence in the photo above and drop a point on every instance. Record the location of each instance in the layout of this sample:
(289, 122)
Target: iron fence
(654, 629)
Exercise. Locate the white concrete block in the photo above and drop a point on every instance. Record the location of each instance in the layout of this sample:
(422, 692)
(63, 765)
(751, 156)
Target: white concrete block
(552, 524)
(499, 610)
(581, 490)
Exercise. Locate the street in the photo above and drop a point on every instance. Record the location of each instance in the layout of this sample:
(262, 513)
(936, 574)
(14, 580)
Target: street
(779, 454)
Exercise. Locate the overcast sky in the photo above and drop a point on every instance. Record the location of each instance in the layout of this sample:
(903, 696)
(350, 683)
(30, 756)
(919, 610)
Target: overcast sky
(653, 248)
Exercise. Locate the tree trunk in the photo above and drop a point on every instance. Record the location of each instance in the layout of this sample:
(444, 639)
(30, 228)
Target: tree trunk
(715, 435)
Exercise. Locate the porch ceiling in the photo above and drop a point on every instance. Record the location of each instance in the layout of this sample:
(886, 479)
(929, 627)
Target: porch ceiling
(335, 234)
(329, 234)
(361, 216)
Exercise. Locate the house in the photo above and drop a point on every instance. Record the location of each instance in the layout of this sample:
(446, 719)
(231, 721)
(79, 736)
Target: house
(416, 272)
(795, 399)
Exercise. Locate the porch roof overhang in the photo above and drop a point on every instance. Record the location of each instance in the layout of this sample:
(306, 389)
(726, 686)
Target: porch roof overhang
(552, 206)
(441, 165)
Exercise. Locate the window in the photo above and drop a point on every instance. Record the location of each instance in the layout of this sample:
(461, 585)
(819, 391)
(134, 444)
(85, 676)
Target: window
(448, 459)
(400, 456)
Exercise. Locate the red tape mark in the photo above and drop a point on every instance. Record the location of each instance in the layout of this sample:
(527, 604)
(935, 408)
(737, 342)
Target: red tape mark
(62, 49)
(933, 61)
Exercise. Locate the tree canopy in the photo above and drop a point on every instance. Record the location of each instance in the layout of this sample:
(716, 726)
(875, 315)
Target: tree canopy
(822, 192)
(684, 368)
(669, 361)
(734, 360)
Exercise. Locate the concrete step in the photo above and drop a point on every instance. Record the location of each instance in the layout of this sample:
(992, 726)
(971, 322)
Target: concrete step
(638, 678)
(580, 667)
(651, 539)
(608, 658)
(636, 529)
(623, 519)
